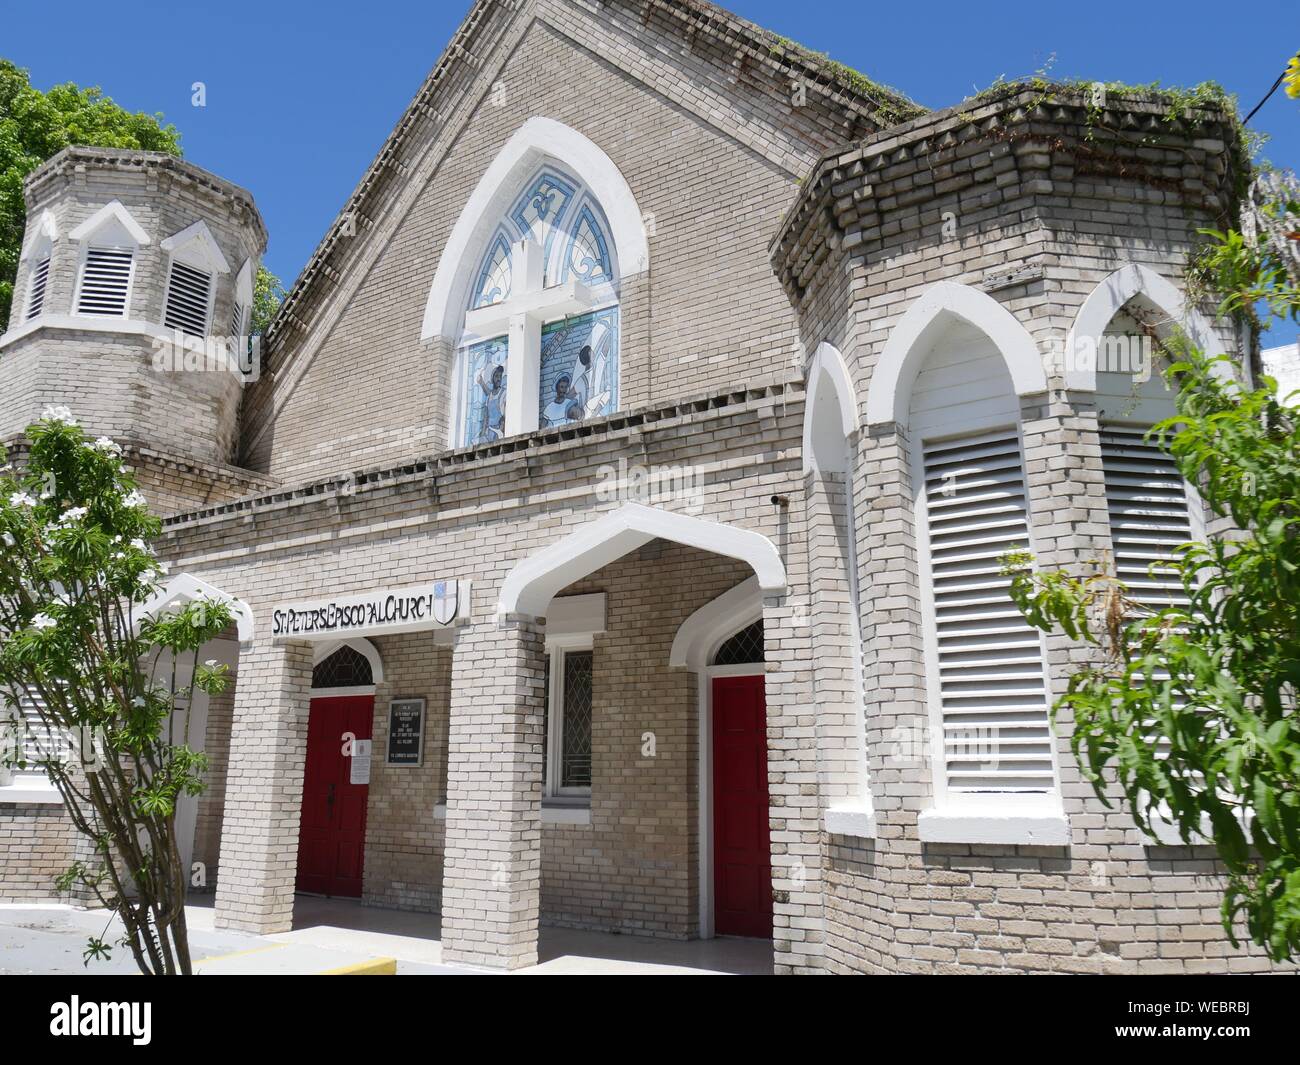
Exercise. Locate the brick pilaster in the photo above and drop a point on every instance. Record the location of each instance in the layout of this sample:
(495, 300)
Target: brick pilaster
(268, 752)
(492, 871)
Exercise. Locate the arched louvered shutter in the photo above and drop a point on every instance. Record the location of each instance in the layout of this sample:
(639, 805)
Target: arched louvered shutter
(189, 294)
(36, 290)
(992, 692)
(105, 281)
(1149, 516)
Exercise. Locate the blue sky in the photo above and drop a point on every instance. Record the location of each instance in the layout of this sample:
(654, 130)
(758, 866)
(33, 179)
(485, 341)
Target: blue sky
(300, 95)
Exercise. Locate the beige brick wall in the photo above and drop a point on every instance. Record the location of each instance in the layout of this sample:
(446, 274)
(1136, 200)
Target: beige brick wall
(36, 846)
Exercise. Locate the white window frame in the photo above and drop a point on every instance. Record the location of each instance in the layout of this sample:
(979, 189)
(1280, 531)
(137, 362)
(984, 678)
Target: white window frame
(556, 649)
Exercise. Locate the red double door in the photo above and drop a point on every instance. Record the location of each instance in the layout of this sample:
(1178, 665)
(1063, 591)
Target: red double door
(332, 837)
(742, 841)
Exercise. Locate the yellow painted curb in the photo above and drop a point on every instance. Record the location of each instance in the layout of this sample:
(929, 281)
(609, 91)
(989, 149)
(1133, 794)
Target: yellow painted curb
(372, 967)
(239, 954)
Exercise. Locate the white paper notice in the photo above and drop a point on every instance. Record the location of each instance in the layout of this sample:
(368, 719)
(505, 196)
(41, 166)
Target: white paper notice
(359, 772)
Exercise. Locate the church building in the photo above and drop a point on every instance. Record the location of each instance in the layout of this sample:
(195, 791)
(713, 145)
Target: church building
(613, 513)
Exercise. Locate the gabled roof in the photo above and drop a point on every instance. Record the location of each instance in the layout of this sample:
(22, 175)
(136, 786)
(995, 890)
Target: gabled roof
(869, 104)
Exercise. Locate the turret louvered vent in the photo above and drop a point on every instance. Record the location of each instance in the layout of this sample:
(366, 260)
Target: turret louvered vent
(992, 691)
(188, 296)
(105, 281)
(1149, 518)
(36, 293)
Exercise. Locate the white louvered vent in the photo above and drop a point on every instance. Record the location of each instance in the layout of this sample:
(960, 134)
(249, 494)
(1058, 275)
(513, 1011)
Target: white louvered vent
(105, 281)
(996, 732)
(1149, 517)
(237, 322)
(36, 293)
(36, 738)
(188, 294)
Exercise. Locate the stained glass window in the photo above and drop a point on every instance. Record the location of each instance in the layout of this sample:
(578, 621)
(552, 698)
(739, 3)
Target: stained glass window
(494, 278)
(540, 212)
(484, 384)
(586, 255)
(579, 371)
(578, 364)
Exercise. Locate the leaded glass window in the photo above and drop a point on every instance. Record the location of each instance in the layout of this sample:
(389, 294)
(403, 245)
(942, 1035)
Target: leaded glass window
(743, 648)
(494, 276)
(345, 668)
(566, 740)
(575, 757)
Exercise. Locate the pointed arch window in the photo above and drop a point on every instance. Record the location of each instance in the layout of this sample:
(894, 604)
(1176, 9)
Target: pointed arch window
(540, 342)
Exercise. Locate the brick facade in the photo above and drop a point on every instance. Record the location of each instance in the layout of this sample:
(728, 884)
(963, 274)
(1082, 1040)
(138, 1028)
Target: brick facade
(772, 229)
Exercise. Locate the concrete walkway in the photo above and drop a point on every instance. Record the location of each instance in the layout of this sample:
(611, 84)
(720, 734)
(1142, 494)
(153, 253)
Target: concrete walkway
(340, 935)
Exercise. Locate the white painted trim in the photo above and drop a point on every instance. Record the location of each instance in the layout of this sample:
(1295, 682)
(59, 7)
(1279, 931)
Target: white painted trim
(31, 788)
(889, 394)
(89, 323)
(45, 231)
(341, 693)
(530, 586)
(113, 210)
(576, 616)
(1030, 825)
(197, 233)
(829, 387)
(1110, 297)
(702, 633)
(363, 647)
(184, 587)
(244, 284)
(536, 140)
(850, 820)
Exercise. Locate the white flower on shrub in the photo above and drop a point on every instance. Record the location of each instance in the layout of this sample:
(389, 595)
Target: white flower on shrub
(43, 621)
(107, 446)
(58, 414)
(73, 514)
(21, 499)
(133, 499)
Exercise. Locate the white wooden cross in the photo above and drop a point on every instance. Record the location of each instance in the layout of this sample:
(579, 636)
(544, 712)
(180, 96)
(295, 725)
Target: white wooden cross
(520, 317)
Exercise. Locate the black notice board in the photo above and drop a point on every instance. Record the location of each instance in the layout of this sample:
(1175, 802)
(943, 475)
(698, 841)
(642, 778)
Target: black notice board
(406, 732)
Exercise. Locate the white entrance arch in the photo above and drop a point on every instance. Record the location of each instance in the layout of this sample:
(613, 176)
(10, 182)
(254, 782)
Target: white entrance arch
(534, 141)
(889, 395)
(534, 581)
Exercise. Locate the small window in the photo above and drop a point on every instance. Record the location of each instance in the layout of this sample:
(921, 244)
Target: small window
(105, 281)
(345, 668)
(743, 648)
(189, 295)
(566, 741)
(36, 289)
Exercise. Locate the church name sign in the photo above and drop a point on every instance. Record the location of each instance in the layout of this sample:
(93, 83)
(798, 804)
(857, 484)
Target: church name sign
(384, 610)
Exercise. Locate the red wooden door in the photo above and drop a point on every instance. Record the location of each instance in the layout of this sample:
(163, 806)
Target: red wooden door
(332, 839)
(742, 842)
